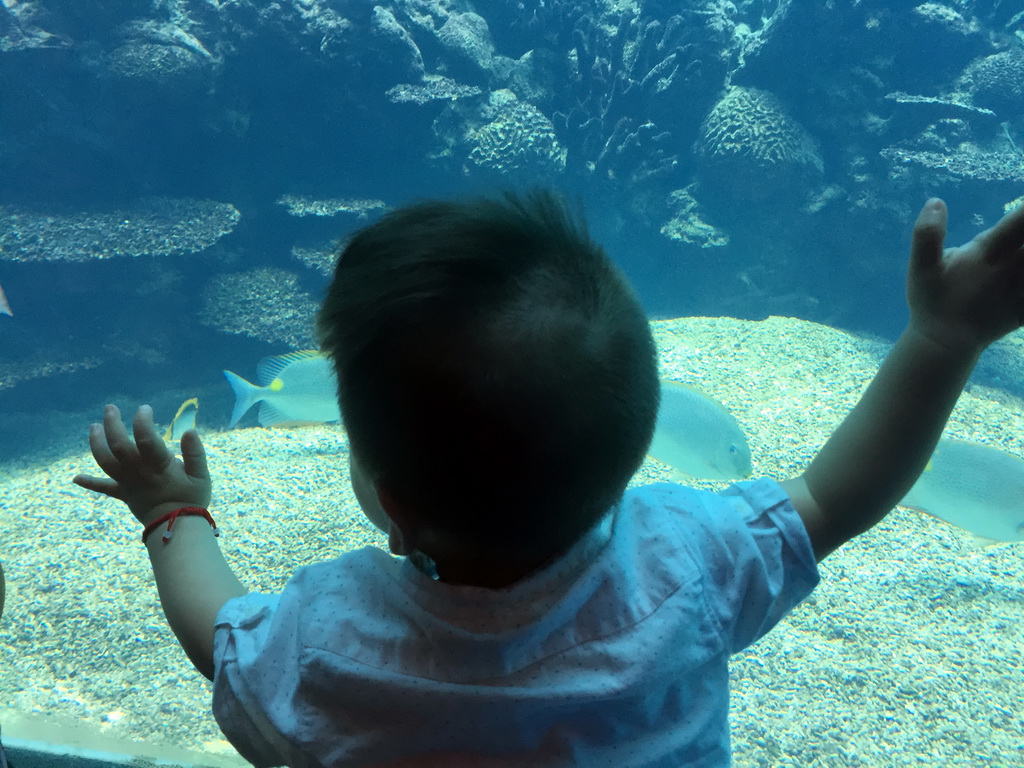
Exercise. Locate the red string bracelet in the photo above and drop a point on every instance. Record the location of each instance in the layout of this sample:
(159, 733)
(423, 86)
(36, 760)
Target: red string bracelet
(170, 517)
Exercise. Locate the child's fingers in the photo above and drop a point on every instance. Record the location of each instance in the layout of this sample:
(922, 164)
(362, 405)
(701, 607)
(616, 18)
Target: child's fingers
(103, 485)
(121, 446)
(151, 446)
(193, 455)
(101, 451)
(1006, 238)
(929, 234)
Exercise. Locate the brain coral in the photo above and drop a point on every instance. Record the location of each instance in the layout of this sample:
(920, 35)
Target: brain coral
(518, 138)
(997, 82)
(749, 143)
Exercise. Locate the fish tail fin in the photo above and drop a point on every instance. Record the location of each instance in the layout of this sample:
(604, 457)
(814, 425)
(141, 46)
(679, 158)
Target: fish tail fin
(246, 395)
(5, 308)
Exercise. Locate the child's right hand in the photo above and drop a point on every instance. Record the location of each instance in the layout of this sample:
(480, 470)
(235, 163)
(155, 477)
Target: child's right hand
(967, 297)
(142, 472)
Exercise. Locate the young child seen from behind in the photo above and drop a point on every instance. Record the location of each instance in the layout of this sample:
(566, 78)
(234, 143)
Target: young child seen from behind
(498, 384)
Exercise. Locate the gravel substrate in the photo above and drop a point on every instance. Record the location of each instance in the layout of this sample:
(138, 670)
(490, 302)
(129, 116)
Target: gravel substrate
(908, 654)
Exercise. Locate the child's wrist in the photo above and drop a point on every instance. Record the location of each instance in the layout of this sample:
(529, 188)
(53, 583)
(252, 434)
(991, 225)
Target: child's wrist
(957, 342)
(168, 519)
(160, 510)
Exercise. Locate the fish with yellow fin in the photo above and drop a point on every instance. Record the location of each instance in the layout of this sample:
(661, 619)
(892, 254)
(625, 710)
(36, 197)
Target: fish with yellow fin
(183, 421)
(975, 487)
(295, 388)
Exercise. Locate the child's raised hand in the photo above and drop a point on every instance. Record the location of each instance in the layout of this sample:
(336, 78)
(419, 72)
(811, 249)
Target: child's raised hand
(965, 298)
(142, 472)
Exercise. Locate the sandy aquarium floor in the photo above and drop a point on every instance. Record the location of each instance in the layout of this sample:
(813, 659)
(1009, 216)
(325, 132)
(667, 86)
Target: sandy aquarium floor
(908, 654)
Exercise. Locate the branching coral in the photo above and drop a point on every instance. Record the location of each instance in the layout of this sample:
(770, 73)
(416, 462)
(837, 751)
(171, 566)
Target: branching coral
(625, 87)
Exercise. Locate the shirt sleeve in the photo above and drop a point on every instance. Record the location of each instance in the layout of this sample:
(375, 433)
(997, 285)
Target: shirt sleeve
(757, 558)
(241, 634)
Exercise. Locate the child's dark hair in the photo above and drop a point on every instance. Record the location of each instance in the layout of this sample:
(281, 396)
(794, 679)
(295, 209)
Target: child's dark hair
(496, 373)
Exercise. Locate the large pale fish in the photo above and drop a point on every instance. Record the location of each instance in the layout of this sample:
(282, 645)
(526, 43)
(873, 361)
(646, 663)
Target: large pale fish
(697, 436)
(5, 308)
(975, 487)
(297, 388)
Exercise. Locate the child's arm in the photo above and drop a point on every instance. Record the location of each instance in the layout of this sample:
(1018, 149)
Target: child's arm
(961, 300)
(192, 577)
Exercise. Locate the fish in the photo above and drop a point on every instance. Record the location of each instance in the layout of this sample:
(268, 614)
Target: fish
(696, 435)
(976, 487)
(5, 307)
(183, 421)
(295, 388)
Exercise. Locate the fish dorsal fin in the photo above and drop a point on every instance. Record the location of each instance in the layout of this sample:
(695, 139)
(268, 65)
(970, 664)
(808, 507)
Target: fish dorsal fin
(692, 390)
(192, 401)
(269, 368)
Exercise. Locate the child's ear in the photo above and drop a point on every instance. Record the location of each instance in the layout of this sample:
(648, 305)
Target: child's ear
(403, 533)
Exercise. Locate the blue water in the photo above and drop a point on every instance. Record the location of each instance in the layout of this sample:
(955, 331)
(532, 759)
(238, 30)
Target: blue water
(877, 105)
(103, 105)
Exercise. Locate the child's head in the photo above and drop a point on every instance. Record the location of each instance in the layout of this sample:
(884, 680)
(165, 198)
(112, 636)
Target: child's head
(497, 375)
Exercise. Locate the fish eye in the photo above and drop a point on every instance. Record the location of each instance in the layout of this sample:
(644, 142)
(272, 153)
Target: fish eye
(733, 449)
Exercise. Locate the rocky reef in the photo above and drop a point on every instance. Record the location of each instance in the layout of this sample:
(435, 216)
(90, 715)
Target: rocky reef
(733, 136)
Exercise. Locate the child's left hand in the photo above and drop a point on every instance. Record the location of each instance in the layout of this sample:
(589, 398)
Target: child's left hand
(142, 472)
(967, 297)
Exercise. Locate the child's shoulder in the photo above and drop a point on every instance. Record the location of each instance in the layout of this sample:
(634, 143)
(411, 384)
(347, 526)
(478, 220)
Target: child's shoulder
(661, 507)
(762, 492)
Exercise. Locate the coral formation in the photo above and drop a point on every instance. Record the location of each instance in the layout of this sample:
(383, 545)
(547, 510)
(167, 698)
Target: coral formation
(321, 258)
(467, 38)
(935, 119)
(625, 86)
(159, 60)
(687, 225)
(265, 304)
(946, 20)
(433, 88)
(395, 45)
(152, 226)
(749, 144)
(19, 33)
(967, 163)
(518, 138)
(997, 82)
(300, 205)
(145, 66)
(939, 107)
